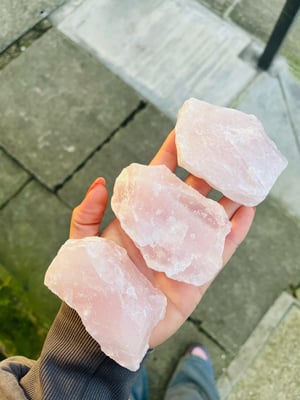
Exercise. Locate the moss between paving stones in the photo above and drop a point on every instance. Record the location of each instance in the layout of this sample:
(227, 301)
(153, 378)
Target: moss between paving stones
(20, 331)
(17, 48)
(18, 17)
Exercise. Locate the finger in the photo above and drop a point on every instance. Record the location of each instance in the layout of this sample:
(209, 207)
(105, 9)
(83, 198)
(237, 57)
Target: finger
(241, 223)
(198, 184)
(86, 217)
(167, 154)
(230, 206)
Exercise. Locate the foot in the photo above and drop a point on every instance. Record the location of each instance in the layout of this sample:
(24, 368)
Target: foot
(198, 350)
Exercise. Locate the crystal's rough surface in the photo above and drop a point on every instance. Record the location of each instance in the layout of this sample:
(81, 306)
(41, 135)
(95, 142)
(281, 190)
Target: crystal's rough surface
(229, 149)
(117, 305)
(178, 231)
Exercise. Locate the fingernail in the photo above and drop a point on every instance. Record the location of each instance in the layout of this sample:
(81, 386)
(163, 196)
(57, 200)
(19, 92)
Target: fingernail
(98, 181)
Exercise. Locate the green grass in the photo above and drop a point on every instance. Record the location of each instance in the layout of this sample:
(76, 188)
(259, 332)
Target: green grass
(294, 66)
(20, 331)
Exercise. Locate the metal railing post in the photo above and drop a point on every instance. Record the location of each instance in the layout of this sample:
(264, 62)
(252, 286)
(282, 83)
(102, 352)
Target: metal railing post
(280, 30)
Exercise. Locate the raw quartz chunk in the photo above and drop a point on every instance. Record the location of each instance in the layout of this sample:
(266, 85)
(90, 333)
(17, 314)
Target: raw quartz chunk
(229, 149)
(178, 231)
(117, 305)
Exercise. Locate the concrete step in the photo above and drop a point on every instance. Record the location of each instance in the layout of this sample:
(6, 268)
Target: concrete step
(167, 50)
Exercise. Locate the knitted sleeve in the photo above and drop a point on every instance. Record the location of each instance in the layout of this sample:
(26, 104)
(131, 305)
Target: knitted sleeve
(71, 366)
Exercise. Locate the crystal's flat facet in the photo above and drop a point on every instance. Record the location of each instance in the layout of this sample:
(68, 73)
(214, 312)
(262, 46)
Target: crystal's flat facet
(117, 305)
(229, 149)
(178, 231)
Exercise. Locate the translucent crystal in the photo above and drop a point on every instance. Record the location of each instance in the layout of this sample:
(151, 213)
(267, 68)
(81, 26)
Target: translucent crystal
(178, 231)
(117, 305)
(229, 149)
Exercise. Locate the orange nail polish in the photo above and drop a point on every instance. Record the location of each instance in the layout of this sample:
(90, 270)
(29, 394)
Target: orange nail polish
(98, 181)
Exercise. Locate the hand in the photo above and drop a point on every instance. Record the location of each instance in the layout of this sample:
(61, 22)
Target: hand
(182, 297)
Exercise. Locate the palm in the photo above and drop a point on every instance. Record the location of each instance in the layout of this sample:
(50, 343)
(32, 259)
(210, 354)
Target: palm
(182, 297)
(177, 310)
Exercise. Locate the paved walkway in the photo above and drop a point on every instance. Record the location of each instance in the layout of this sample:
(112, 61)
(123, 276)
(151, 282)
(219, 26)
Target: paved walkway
(267, 366)
(100, 89)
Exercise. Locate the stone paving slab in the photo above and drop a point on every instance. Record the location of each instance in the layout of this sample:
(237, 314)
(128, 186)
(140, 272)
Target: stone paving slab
(265, 99)
(138, 141)
(264, 265)
(18, 16)
(58, 104)
(168, 51)
(162, 362)
(267, 366)
(12, 177)
(34, 224)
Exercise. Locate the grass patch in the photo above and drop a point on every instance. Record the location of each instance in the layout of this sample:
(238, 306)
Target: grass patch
(20, 331)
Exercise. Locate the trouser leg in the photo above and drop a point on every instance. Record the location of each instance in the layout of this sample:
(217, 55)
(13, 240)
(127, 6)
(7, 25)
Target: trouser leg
(140, 387)
(192, 380)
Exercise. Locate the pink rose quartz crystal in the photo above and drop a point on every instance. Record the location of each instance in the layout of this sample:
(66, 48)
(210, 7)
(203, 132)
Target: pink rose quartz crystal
(229, 149)
(117, 305)
(178, 231)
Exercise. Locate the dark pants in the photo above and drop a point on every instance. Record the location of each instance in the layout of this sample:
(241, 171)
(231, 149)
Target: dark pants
(193, 379)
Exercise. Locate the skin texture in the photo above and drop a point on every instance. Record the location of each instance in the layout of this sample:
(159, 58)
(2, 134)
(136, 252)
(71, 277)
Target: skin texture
(182, 297)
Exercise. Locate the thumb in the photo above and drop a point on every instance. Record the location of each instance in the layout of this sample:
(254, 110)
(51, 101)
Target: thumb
(86, 217)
